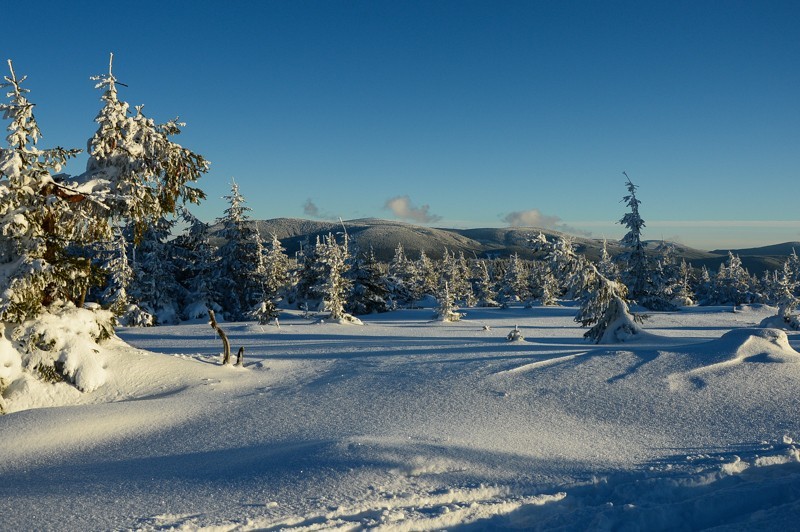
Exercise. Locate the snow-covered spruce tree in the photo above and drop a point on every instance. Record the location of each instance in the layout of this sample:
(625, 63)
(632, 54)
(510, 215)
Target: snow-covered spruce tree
(484, 287)
(141, 174)
(369, 292)
(50, 223)
(514, 287)
(604, 303)
(463, 273)
(787, 299)
(446, 311)
(455, 272)
(41, 217)
(606, 265)
(566, 270)
(155, 288)
(543, 284)
(427, 277)
(336, 286)
(636, 268)
(236, 277)
(401, 280)
(783, 289)
(308, 291)
(115, 297)
(274, 280)
(264, 310)
(732, 285)
(196, 263)
(682, 293)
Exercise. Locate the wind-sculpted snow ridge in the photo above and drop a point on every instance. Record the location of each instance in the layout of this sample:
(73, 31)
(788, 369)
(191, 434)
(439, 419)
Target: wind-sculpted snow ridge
(437, 510)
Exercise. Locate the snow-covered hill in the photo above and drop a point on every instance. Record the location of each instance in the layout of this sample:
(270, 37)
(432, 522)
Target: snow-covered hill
(384, 235)
(409, 424)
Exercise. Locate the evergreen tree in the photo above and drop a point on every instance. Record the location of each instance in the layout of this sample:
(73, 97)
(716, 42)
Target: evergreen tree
(197, 265)
(515, 281)
(369, 292)
(455, 272)
(732, 284)
(308, 292)
(785, 290)
(484, 290)
(446, 310)
(427, 278)
(143, 173)
(155, 287)
(604, 303)
(606, 265)
(336, 286)
(636, 271)
(682, 293)
(50, 225)
(544, 285)
(277, 269)
(401, 281)
(237, 259)
(120, 277)
(41, 218)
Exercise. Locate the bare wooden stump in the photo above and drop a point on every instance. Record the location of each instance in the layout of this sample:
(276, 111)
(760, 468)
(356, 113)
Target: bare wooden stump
(226, 355)
(240, 357)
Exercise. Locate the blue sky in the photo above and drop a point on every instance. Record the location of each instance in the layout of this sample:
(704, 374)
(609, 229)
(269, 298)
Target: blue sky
(461, 114)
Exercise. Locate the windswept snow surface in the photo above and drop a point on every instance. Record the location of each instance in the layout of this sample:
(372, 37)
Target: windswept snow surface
(404, 423)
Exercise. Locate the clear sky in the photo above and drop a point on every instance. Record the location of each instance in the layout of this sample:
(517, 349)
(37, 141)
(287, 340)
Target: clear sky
(453, 113)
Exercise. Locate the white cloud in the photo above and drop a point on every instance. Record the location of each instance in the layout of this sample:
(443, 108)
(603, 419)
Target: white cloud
(531, 218)
(402, 207)
(535, 218)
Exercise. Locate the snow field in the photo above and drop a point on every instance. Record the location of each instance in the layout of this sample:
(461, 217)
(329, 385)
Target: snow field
(405, 423)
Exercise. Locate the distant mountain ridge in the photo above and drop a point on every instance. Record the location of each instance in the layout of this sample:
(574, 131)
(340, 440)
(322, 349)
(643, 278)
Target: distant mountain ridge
(383, 236)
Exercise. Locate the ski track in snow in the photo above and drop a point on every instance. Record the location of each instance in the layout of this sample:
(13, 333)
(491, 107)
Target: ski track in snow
(408, 424)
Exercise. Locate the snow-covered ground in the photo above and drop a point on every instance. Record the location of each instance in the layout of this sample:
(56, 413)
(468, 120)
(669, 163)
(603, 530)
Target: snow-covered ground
(405, 423)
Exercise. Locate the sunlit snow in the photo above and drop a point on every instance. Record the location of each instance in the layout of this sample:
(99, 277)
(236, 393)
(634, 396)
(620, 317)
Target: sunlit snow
(408, 423)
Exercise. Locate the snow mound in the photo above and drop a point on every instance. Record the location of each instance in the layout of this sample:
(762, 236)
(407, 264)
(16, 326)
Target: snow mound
(751, 345)
(779, 322)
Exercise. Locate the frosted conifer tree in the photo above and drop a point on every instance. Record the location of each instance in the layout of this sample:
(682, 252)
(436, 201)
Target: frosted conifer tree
(604, 303)
(732, 285)
(308, 291)
(683, 296)
(484, 286)
(336, 286)
(544, 285)
(155, 287)
(402, 278)
(237, 259)
(606, 265)
(785, 294)
(196, 269)
(40, 218)
(514, 287)
(455, 272)
(446, 310)
(636, 271)
(277, 269)
(427, 278)
(369, 292)
(120, 277)
(134, 165)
